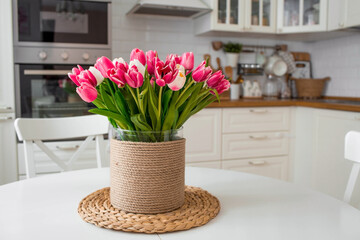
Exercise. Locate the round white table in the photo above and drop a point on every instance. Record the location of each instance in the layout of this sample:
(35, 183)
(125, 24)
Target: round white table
(252, 207)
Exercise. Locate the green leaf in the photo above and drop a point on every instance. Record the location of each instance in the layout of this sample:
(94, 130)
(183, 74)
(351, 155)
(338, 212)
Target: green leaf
(140, 122)
(120, 120)
(166, 100)
(107, 100)
(170, 115)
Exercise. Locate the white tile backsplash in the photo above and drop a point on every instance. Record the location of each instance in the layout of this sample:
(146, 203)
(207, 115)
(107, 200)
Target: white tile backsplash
(338, 58)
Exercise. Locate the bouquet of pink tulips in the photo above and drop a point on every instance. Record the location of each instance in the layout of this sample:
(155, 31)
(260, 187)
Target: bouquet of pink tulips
(148, 94)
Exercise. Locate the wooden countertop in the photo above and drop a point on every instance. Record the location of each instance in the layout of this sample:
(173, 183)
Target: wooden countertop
(343, 104)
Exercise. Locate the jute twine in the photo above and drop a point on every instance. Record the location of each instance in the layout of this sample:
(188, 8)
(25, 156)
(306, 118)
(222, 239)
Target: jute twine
(147, 177)
(198, 209)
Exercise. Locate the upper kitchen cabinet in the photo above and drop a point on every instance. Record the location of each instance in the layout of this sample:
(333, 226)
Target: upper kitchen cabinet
(6, 58)
(260, 16)
(301, 16)
(344, 14)
(227, 15)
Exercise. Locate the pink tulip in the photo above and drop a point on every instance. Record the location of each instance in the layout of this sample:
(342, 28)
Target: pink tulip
(172, 58)
(223, 86)
(87, 77)
(87, 92)
(103, 64)
(201, 73)
(187, 60)
(117, 76)
(134, 78)
(215, 79)
(120, 63)
(75, 73)
(178, 82)
(139, 55)
(150, 59)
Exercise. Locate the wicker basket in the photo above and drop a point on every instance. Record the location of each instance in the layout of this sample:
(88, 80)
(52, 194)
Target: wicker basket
(310, 87)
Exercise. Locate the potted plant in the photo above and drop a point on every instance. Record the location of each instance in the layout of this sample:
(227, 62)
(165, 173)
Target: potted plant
(147, 101)
(232, 51)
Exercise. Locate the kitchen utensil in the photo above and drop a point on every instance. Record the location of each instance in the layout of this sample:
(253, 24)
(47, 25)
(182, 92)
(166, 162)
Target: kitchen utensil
(229, 73)
(275, 65)
(234, 91)
(218, 61)
(271, 87)
(217, 45)
(208, 56)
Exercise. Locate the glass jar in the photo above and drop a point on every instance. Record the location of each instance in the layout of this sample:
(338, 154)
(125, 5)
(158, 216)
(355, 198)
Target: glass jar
(146, 136)
(271, 89)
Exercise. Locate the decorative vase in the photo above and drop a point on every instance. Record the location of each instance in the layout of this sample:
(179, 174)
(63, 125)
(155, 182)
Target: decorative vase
(232, 59)
(147, 170)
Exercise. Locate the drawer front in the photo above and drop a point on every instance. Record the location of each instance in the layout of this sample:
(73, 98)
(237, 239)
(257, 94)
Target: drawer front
(64, 150)
(214, 164)
(274, 167)
(256, 119)
(245, 145)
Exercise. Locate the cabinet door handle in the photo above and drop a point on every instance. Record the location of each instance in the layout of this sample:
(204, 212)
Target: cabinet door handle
(5, 118)
(67, 147)
(5, 108)
(258, 137)
(258, 110)
(257, 163)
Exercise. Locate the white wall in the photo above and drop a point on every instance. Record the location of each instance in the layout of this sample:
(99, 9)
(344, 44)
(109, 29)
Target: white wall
(340, 59)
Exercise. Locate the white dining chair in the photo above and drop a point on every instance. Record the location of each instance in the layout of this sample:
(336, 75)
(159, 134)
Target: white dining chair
(36, 130)
(352, 153)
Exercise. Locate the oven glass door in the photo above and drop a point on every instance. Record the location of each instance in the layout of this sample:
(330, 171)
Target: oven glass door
(62, 21)
(45, 91)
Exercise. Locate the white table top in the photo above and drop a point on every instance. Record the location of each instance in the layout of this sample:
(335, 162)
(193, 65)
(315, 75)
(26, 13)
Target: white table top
(252, 207)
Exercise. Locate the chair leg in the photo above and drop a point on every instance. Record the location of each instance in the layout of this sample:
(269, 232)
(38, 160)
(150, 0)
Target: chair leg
(29, 159)
(351, 183)
(99, 150)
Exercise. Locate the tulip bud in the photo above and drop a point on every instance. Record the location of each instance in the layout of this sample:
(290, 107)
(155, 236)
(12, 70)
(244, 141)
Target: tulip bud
(150, 59)
(97, 74)
(134, 78)
(103, 64)
(140, 67)
(87, 92)
(74, 74)
(187, 60)
(137, 54)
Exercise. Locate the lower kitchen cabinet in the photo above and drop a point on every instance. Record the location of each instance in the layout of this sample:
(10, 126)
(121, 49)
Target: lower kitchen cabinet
(319, 155)
(8, 164)
(274, 167)
(203, 136)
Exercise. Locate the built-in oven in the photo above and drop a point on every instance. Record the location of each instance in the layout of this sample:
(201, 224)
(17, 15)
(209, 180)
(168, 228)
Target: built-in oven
(45, 91)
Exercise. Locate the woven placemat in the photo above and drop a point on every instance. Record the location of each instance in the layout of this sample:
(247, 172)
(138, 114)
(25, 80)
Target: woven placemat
(198, 209)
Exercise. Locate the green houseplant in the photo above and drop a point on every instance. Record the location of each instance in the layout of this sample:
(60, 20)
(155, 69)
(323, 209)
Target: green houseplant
(232, 51)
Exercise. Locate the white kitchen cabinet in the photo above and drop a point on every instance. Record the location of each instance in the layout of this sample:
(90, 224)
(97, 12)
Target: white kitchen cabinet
(8, 163)
(256, 119)
(203, 136)
(274, 167)
(227, 15)
(319, 155)
(343, 14)
(248, 145)
(7, 94)
(260, 16)
(295, 16)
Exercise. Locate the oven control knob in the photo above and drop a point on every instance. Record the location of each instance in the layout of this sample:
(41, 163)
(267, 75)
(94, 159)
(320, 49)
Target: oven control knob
(42, 55)
(86, 56)
(64, 55)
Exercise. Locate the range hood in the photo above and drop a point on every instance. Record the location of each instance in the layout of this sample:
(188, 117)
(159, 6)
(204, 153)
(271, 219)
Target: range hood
(171, 8)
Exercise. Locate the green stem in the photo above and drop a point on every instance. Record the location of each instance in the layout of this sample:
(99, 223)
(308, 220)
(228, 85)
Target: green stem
(188, 85)
(133, 94)
(139, 104)
(159, 104)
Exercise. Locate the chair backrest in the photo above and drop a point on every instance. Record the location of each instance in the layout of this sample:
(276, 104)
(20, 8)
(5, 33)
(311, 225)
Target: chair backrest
(352, 153)
(33, 130)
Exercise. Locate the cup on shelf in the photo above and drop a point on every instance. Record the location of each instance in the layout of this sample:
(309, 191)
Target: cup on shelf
(234, 91)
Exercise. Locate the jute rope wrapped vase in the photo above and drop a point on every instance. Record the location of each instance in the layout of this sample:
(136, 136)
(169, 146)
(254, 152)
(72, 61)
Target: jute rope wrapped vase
(147, 177)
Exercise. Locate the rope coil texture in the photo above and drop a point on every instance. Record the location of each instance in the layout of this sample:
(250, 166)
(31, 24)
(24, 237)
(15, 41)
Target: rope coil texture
(198, 209)
(147, 177)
